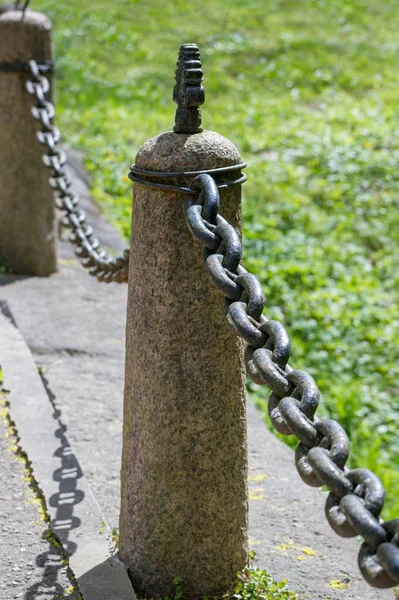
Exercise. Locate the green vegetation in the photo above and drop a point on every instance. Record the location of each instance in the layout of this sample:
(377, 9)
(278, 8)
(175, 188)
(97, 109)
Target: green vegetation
(309, 92)
(252, 584)
(3, 266)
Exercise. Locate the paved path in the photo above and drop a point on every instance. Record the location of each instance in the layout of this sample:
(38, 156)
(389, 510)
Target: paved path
(74, 327)
(29, 564)
(74, 517)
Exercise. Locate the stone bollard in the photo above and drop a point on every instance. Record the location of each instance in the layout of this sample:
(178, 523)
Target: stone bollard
(27, 223)
(184, 463)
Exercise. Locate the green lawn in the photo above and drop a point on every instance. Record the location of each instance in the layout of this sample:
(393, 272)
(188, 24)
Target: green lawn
(309, 92)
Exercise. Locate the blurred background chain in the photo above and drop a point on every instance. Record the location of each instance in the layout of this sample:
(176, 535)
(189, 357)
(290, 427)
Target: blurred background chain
(22, 5)
(96, 260)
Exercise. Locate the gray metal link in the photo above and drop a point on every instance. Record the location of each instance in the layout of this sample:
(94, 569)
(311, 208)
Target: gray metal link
(98, 263)
(253, 295)
(223, 278)
(298, 423)
(356, 497)
(278, 342)
(381, 567)
(243, 324)
(307, 390)
(372, 567)
(200, 227)
(369, 491)
(274, 377)
(304, 468)
(209, 197)
(331, 437)
(231, 243)
(363, 521)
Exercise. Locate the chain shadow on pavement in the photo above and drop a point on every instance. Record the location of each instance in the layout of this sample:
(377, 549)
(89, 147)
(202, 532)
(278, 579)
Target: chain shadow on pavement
(57, 580)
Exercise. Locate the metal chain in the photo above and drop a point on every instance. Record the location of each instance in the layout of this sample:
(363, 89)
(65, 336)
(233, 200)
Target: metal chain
(356, 496)
(22, 6)
(96, 260)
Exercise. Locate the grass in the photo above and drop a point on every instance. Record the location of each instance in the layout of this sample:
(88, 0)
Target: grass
(251, 584)
(3, 266)
(309, 92)
(255, 584)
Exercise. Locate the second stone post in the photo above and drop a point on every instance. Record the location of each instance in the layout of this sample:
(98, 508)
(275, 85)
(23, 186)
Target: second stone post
(28, 243)
(184, 464)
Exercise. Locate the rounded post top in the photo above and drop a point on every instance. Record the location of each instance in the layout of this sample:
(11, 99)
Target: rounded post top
(188, 92)
(25, 36)
(171, 152)
(29, 18)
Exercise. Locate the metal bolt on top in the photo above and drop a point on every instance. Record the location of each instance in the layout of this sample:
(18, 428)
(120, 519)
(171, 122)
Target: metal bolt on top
(188, 92)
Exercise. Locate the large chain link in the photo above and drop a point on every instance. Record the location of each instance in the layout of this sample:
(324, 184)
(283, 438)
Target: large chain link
(96, 260)
(356, 496)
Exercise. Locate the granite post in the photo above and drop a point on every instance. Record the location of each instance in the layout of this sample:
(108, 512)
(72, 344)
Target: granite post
(184, 464)
(27, 223)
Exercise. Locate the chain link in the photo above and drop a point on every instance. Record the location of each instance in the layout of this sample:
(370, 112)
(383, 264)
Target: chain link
(22, 6)
(96, 260)
(356, 496)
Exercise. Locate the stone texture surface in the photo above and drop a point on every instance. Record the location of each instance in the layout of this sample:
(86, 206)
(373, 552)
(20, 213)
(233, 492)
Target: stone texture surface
(27, 226)
(184, 464)
(75, 329)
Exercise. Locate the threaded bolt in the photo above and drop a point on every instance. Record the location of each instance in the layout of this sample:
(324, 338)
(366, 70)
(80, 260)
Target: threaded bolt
(188, 92)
